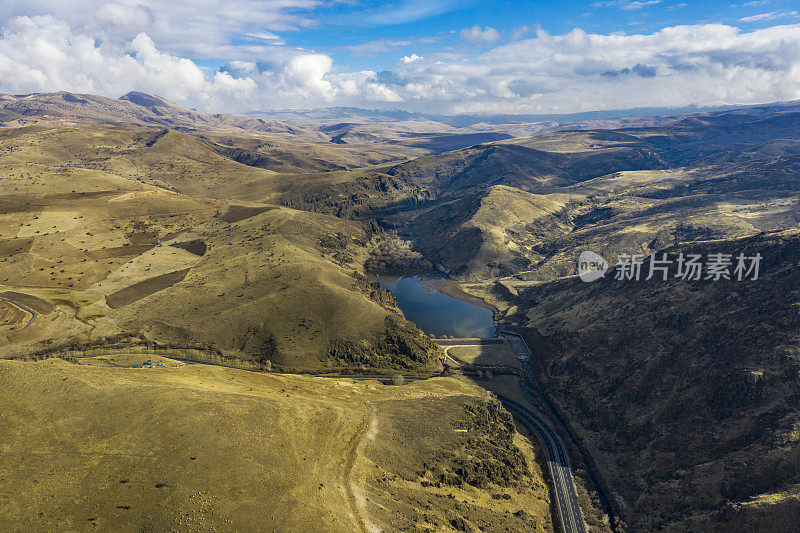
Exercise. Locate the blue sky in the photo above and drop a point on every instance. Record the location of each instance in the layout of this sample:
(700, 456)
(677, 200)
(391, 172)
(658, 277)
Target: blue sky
(342, 26)
(374, 35)
(435, 55)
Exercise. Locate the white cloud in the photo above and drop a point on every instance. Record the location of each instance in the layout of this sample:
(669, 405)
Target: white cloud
(371, 48)
(681, 65)
(360, 86)
(184, 27)
(701, 64)
(39, 54)
(43, 54)
(520, 32)
(125, 18)
(773, 15)
(265, 36)
(308, 73)
(476, 35)
(640, 5)
(226, 83)
(410, 59)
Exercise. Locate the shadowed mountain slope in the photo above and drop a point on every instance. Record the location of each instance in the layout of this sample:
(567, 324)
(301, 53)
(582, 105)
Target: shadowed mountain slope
(686, 391)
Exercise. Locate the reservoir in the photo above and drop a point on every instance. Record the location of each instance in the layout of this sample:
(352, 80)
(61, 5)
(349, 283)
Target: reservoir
(438, 314)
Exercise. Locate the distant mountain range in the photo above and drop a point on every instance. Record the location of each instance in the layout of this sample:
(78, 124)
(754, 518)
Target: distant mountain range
(132, 109)
(340, 114)
(342, 125)
(517, 125)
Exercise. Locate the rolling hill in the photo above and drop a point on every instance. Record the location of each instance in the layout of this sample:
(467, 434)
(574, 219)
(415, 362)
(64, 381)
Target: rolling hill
(134, 224)
(132, 109)
(710, 176)
(176, 446)
(153, 235)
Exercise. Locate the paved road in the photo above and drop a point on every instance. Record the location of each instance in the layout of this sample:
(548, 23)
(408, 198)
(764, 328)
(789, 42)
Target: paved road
(33, 314)
(569, 510)
(558, 459)
(364, 377)
(449, 358)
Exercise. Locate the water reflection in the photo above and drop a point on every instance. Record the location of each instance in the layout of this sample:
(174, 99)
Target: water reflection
(438, 314)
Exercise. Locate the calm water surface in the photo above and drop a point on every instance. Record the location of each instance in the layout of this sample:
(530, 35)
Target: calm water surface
(438, 314)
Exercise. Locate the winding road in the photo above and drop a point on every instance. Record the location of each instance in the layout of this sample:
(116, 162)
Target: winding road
(569, 510)
(566, 497)
(33, 314)
(557, 457)
(564, 491)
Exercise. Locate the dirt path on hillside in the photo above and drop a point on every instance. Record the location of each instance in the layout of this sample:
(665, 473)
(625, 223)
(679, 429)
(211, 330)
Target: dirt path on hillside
(350, 478)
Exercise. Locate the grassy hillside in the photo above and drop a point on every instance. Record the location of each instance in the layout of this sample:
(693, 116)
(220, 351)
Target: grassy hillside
(684, 392)
(248, 140)
(133, 109)
(155, 236)
(490, 234)
(280, 286)
(135, 222)
(556, 159)
(105, 444)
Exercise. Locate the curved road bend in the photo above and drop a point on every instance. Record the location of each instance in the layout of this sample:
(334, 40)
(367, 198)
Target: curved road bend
(33, 314)
(558, 460)
(569, 510)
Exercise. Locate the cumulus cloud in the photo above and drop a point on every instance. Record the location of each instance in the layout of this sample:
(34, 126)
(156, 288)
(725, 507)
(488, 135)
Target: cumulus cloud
(125, 18)
(184, 27)
(699, 64)
(308, 74)
(410, 59)
(39, 54)
(43, 54)
(676, 66)
(476, 35)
